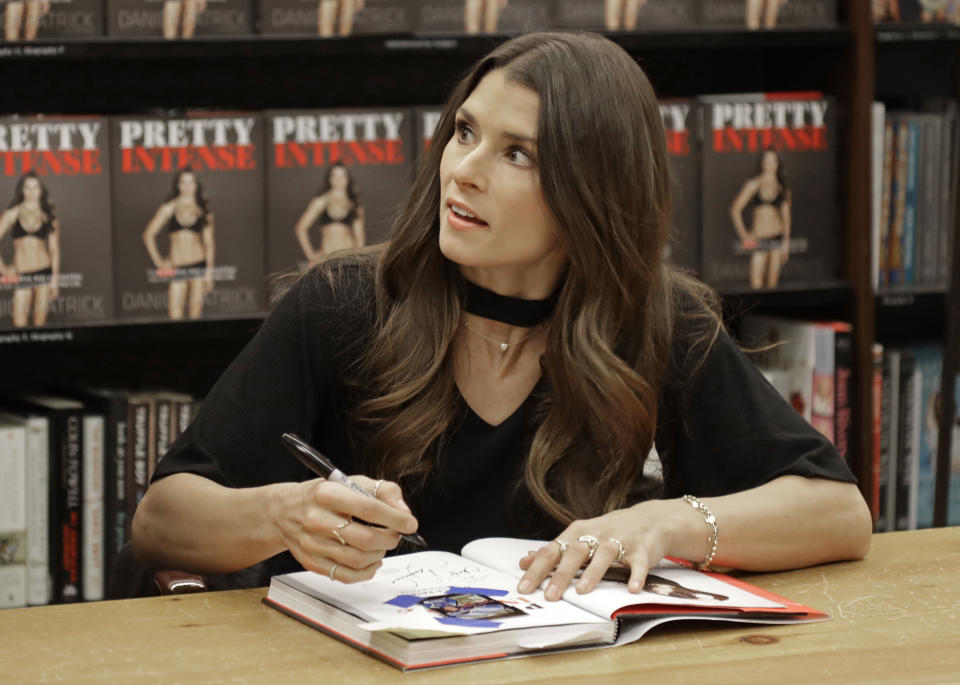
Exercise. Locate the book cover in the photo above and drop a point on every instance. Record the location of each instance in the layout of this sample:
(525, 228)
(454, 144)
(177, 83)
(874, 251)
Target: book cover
(915, 12)
(770, 206)
(681, 123)
(94, 569)
(178, 19)
(33, 19)
(626, 15)
(483, 16)
(929, 367)
(55, 221)
(188, 196)
(431, 609)
(426, 120)
(790, 361)
(13, 514)
(335, 18)
(836, 361)
(335, 180)
(768, 14)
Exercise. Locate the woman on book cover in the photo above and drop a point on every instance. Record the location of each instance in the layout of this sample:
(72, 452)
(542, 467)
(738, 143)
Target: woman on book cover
(22, 18)
(336, 210)
(763, 13)
(671, 588)
(621, 15)
(503, 367)
(766, 200)
(180, 17)
(35, 271)
(482, 16)
(188, 221)
(335, 17)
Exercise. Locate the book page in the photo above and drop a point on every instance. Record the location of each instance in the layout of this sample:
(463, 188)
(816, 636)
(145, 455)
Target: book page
(667, 584)
(430, 594)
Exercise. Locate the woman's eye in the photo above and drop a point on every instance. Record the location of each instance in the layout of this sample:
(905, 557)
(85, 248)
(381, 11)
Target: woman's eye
(464, 132)
(517, 155)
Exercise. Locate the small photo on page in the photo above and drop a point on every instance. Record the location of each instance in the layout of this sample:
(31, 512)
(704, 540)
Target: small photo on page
(469, 606)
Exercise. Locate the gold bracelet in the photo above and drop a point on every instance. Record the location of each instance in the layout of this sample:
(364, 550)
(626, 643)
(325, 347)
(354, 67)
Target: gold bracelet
(711, 522)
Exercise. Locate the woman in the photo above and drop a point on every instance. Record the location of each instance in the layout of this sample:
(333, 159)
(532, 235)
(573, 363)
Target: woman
(767, 199)
(763, 13)
(36, 250)
(482, 15)
(503, 367)
(621, 15)
(335, 17)
(187, 218)
(180, 17)
(337, 210)
(22, 18)
(671, 588)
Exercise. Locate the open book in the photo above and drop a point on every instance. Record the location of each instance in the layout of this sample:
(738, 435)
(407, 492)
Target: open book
(430, 609)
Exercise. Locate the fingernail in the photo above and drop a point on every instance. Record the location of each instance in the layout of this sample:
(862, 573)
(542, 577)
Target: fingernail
(553, 593)
(583, 586)
(525, 586)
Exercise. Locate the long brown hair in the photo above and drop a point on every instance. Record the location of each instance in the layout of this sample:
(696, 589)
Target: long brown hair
(605, 177)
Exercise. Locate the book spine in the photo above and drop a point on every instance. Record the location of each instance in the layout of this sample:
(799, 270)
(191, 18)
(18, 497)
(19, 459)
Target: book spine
(929, 227)
(877, 110)
(93, 538)
(898, 198)
(115, 482)
(183, 414)
(163, 433)
(13, 516)
(38, 510)
(890, 444)
(911, 210)
(883, 266)
(843, 372)
(68, 572)
(138, 456)
(876, 430)
(905, 441)
(824, 372)
(947, 236)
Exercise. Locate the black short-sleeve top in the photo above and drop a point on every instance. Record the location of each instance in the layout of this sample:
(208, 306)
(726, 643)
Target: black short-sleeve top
(729, 431)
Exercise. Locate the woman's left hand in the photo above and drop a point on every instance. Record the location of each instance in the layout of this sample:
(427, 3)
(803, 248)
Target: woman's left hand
(53, 290)
(208, 283)
(644, 531)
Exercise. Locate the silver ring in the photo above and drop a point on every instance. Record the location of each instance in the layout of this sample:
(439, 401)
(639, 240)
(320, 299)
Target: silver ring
(563, 545)
(620, 548)
(591, 542)
(333, 570)
(376, 488)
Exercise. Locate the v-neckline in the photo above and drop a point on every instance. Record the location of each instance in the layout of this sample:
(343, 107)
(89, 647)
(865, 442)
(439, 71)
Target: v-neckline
(518, 409)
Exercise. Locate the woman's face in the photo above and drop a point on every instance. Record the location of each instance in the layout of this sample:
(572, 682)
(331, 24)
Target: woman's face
(339, 178)
(494, 221)
(187, 185)
(770, 162)
(32, 190)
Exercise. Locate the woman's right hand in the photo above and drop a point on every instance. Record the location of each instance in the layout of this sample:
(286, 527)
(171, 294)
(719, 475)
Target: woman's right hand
(8, 274)
(749, 242)
(312, 513)
(165, 269)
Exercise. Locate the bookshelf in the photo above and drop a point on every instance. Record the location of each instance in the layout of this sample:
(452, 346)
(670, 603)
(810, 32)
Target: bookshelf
(111, 76)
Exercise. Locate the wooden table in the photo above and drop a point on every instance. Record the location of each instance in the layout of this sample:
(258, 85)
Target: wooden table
(896, 620)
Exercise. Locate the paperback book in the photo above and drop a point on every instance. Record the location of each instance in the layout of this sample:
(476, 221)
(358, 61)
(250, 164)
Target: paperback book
(335, 180)
(770, 205)
(681, 124)
(626, 15)
(483, 17)
(179, 19)
(188, 215)
(430, 609)
(41, 19)
(55, 221)
(335, 19)
(768, 14)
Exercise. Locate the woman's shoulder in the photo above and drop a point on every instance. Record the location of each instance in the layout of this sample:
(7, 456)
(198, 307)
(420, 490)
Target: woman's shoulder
(344, 284)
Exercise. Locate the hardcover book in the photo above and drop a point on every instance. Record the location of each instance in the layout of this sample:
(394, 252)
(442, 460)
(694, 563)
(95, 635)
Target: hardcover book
(13, 513)
(179, 19)
(335, 180)
(336, 19)
(188, 215)
(626, 15)
(427, 119)
(768, 14)
(770, 206)
(430, 609)
(681, 126)
(33, 19)
(54, 221)
(483, 16)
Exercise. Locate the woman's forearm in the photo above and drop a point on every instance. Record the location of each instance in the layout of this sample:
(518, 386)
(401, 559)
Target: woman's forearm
(189, 523)
(790, 522)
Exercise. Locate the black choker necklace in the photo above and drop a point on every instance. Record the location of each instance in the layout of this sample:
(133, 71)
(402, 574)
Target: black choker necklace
(511, 310)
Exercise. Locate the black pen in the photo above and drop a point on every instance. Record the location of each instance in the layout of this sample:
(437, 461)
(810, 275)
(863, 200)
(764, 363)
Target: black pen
(322, 466)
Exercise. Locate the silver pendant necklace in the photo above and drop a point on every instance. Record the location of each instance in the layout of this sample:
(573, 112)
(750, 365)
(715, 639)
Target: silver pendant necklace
(504, 346)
